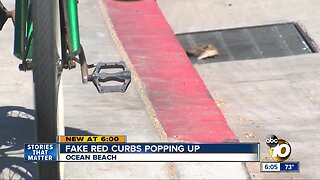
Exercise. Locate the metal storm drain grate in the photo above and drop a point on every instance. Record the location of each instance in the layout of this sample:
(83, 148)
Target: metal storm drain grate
(251, 42)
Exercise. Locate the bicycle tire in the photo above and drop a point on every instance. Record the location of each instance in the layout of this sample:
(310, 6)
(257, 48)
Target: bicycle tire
(46, 83)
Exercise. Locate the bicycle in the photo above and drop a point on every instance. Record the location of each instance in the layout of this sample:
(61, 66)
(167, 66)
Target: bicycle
(47, 40)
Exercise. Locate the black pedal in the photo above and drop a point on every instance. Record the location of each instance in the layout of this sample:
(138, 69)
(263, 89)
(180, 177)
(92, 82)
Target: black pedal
(123, 77)
(3, 16)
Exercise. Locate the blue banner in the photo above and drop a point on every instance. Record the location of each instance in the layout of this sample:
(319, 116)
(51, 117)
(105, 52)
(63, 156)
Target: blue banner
(289, 166)
(40, 152)
(160, 148)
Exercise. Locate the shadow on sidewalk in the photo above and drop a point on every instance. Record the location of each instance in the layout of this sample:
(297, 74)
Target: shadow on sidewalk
(17, 127)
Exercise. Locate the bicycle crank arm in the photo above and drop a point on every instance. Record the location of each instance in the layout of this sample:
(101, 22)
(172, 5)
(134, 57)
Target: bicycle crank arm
(5, 15)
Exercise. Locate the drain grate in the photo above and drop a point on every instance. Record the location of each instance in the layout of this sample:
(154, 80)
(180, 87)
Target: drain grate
(251, 42)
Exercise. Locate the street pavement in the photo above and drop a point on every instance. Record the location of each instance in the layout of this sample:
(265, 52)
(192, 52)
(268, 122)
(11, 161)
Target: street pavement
(267, 96)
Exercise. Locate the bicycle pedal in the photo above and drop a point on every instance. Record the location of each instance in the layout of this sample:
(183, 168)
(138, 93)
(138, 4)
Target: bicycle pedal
(99, 77)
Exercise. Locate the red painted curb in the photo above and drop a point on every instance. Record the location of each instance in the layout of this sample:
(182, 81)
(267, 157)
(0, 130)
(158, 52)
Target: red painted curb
(181, 100)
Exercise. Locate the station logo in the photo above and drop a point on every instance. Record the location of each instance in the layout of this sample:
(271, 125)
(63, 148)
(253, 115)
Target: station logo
(280, 149)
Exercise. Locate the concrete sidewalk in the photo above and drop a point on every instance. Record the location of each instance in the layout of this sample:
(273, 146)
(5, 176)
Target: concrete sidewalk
(86, 111)
(115, 113)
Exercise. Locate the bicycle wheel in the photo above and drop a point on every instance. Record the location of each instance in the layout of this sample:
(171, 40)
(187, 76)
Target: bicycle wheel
(46, 77)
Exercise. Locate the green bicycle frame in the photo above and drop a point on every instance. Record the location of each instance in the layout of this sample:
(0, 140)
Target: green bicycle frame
(24, 27)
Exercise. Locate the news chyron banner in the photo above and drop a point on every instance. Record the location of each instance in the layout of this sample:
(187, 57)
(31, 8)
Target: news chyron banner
(115, 148)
